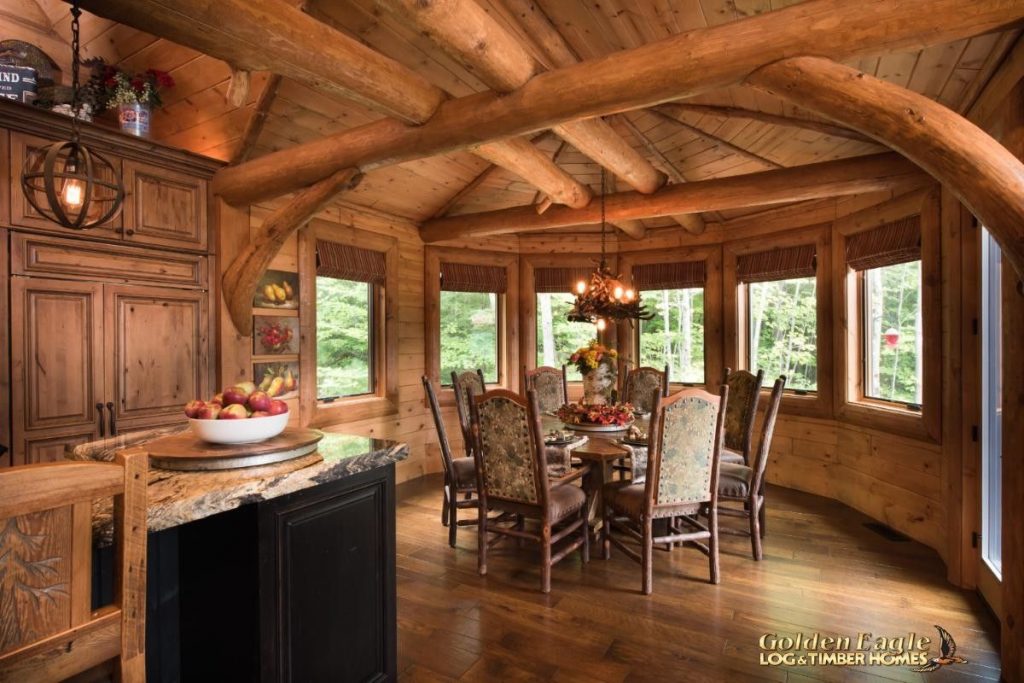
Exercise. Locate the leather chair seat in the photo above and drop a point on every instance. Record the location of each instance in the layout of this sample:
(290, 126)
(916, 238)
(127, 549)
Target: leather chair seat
(627, 498)
(732, 457)
(734, 480)
(564, 501)
(464, 470)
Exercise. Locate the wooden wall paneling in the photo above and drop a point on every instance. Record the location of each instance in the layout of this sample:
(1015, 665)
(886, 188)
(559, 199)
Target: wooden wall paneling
(234, 351)
(5, 357)
(7, 182)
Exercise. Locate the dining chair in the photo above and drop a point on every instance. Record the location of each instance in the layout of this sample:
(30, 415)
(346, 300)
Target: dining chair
(744, 393)
(459, 474)
(684, 445)
(742, 484)
(49, 630)
(462, 384)
(512, 478)
(642, 385)
(550, 385)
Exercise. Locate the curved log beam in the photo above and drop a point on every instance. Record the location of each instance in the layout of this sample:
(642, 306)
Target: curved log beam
(813, 181)
(244, 273)
(986, 177)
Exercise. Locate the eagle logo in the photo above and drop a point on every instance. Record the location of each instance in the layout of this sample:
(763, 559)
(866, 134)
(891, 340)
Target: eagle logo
(947, 653)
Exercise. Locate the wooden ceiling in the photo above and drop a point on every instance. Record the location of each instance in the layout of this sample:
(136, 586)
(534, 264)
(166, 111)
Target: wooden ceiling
(696, 145)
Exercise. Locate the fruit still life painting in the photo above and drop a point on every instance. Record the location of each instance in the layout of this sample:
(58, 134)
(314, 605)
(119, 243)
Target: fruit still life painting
(277, 289)
(275, 335)
(279, 380)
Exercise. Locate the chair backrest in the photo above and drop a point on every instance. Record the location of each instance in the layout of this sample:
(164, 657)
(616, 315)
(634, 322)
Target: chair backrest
(442, 433)
(550, 385)
(509, 450)
(744, 392)
(462, 384)
(643, 385)
(683, 465)
(48, 629)
(767, 430)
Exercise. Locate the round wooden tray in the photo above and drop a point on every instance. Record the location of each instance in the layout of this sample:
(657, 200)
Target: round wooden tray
(186, 451)
(587, 427)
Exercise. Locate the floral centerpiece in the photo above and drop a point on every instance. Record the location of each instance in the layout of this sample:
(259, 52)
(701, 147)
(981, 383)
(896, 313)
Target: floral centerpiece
(598, 365)
(133, 95)
(619, 415)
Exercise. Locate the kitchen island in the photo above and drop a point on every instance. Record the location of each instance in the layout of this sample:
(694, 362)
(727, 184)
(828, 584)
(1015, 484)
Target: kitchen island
(282, 572)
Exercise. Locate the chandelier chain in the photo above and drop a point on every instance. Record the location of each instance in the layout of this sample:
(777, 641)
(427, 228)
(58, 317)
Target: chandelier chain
(76, 60)
(603, 261)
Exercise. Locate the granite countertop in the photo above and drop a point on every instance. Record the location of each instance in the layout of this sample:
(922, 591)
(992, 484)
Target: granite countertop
(176, 498)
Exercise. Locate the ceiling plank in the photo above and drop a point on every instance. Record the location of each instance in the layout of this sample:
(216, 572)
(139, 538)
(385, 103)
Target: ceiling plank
(254, 127)
(822, 127)
(668, 113)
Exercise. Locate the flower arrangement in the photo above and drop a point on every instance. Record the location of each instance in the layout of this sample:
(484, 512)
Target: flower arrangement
(587, 358)
(620, 414)
(110, 86)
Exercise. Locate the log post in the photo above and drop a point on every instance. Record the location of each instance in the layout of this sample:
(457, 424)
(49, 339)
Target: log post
(244, 273)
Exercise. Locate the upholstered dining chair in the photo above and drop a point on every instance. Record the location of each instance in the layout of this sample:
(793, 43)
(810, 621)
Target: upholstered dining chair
(642, 385)
(49, 630)
(744, 392)
(512, 478)
(743, 484)
(550, 385)
(684, 443)
(459, 474)
(462, 384)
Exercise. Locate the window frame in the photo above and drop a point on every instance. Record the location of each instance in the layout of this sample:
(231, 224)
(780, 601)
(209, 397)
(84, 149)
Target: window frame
(812, 404)
(852, 405)
(508, 314)
(372, 295)
(384, 333)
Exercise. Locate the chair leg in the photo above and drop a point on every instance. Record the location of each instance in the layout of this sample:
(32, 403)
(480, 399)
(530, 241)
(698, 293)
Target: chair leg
(761, 513)
(755, 530)
(481, 542)
(453, 517)
(445, 507)
(713, 543)
(647, 559)
(545, 568)
(584, 516)
(520, 525)
(606, 530)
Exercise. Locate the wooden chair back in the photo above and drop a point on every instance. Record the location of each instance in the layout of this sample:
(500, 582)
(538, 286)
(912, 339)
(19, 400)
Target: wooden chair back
(683, 465)
(442, 433)
(642, 385)
(760, 462)
(462, 384)
(550, 385)
(48, 628)
(509, 452)
(744, 392)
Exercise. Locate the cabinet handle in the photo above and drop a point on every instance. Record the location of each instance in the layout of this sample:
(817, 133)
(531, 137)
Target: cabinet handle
(129, 232)
(99, 420)
(113, 425)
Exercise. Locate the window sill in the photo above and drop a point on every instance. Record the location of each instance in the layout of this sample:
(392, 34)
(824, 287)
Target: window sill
(807, 404)
(351, 409)
(886, 417)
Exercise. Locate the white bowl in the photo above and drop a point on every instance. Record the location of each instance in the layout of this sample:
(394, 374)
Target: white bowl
(250, 430)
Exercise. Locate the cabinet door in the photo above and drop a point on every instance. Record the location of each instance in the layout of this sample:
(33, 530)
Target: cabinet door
(57, 364)
(164, 207)
(158, 356)
(22, 213)
(5, 367)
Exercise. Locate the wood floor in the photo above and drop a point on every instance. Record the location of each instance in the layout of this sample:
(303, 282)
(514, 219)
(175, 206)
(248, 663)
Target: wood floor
(823, 571)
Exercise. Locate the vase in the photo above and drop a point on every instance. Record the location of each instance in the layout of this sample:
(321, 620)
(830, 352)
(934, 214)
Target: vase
(134, 119)
(598, 385)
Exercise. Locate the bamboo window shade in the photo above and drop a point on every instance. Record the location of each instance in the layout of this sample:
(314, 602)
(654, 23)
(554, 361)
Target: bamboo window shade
(559, 279)
(679, 275)
(888, 245)
(467, 277)
(346, 262)
(777, 264)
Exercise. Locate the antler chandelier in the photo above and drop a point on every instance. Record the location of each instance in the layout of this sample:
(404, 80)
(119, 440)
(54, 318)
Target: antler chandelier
(605, 298)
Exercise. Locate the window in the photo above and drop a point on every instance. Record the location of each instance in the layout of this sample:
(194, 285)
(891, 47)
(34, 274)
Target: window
(344, 338)
(557, 338)
(469, 334)
(892, 333)
(675, 336)
(782, 321)
(992, 409)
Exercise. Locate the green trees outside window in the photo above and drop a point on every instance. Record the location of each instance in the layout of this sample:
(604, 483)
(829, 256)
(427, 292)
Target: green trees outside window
(675, 336)
(892, 333)
(469, 334)
(344, 338)
(557, 338)
(782, 320)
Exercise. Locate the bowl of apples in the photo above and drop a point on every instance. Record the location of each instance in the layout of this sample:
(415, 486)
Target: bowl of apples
(239, 414)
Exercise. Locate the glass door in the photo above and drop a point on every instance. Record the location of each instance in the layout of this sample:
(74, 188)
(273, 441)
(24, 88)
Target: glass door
(990, 572)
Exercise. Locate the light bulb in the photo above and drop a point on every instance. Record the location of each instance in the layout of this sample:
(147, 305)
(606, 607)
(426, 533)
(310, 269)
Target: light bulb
(73, 194)
(581, 287)
(601, 324)
(617, 292)
(630, 294)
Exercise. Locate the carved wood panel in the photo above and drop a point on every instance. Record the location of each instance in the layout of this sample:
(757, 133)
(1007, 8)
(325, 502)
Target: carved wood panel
(164, 208)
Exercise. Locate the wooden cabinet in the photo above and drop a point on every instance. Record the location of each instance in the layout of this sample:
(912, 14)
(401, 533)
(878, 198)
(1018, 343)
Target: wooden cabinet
(163, 207)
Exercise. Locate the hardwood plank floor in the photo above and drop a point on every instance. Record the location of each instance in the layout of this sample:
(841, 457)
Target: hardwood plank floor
(823, 571)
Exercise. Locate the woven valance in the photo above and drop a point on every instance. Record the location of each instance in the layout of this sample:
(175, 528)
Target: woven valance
(560, 279)
(679, 275)
(777, 264)
(349, 263)
(888, 245)
(467, 277)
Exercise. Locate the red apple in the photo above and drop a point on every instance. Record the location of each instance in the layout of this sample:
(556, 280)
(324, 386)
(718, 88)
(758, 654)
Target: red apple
(192, 408)
(218, 399)
(259, 401)
(235, 395)
(210, 411)
(235, 411)
(277, 407)
(260, 413)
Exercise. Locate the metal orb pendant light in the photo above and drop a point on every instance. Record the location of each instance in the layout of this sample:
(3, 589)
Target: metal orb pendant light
(605, 298)
(66, 182)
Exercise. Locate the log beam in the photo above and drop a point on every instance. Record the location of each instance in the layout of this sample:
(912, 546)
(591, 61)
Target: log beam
(984, 175)
(254, 127)
(814, 181)
(532, 165)
(822, 127)
(241, 277)
(676, 67)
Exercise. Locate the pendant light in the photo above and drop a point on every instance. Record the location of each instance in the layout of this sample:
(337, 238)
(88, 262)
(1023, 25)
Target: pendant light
(605, 298)
(66, 182)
